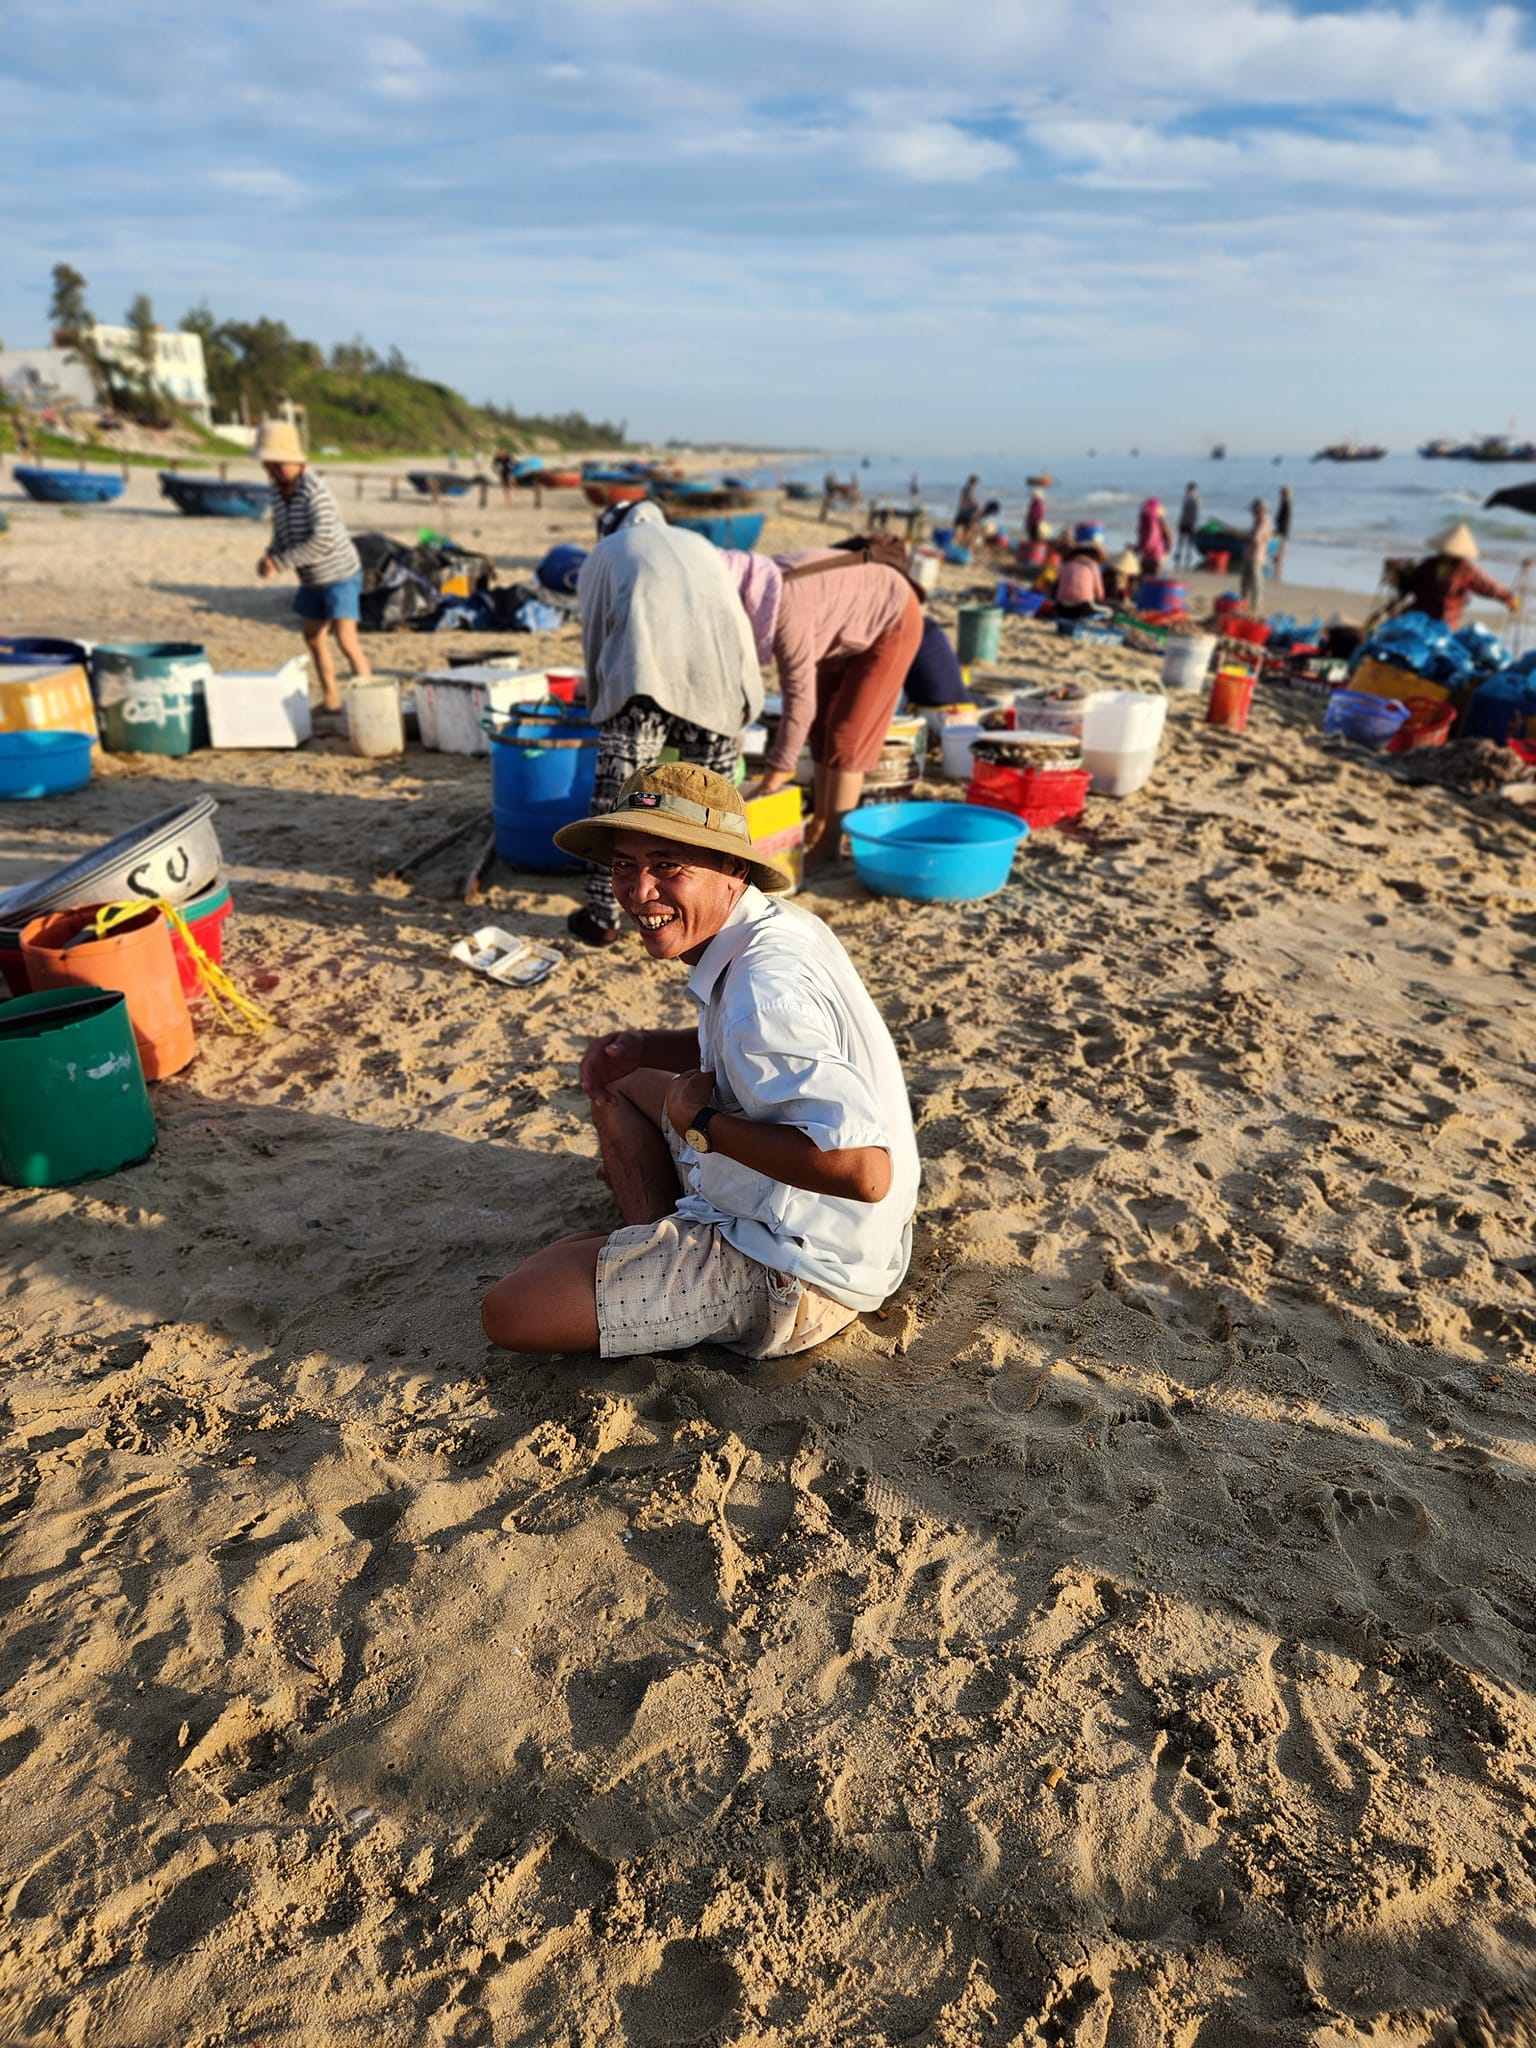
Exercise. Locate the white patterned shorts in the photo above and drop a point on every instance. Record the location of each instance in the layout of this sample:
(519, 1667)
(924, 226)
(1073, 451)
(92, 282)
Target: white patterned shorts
(664, 1286)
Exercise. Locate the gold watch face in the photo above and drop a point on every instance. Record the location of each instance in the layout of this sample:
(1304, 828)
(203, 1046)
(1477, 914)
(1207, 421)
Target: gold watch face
(698, 1139)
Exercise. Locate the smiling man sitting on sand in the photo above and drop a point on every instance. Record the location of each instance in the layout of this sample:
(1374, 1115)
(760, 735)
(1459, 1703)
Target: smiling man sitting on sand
(765, 1165)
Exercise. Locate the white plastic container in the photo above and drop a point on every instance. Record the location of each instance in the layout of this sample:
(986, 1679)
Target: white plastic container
(1051, 714)
(956, 743)
(260, 710)
(375, 728)
(923, 565)
(1122, 730)
(1187, 659)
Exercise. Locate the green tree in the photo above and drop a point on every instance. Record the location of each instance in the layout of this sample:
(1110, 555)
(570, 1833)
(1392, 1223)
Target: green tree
(144, 328)
(354, 358)
(67, 311)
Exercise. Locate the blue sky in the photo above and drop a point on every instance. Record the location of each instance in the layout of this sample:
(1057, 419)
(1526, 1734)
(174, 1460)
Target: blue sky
(1007, 224)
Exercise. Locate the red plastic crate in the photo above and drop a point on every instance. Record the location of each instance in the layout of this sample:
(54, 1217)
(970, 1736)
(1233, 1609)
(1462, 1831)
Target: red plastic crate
(1040, 796)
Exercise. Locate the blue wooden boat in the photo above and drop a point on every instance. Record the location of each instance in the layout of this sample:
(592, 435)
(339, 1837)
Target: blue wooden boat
(215, 497)
(726, 529)
(67, 486)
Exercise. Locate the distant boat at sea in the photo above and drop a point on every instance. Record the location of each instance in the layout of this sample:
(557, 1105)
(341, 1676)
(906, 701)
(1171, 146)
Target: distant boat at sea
(1498, 448)
(1219, 452)
(1349, 451)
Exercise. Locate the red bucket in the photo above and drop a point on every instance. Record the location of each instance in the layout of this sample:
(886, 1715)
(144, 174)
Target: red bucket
(1230, 699)
(205, 917)
(1429, 725)
(1217, 563)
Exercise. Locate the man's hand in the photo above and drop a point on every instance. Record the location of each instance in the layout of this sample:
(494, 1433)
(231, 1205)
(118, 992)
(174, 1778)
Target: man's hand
(266, 568)
(686, 1097)
(609, 1059)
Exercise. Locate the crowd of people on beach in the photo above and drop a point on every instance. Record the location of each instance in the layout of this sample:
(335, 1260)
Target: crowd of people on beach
(764, 1163)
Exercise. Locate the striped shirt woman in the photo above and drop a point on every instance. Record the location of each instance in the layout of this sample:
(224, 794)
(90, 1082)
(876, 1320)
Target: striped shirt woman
(308, 534)
(308, 537)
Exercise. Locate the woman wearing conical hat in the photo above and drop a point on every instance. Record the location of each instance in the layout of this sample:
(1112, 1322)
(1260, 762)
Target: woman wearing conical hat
(1442, 582)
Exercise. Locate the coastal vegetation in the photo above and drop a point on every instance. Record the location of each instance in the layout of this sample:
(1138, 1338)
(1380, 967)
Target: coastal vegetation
(356, 400)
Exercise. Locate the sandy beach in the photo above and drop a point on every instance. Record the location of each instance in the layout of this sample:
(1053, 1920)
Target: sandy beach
(1127, 1638)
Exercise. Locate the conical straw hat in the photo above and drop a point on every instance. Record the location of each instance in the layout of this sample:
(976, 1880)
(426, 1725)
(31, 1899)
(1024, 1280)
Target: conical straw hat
(1459, 542)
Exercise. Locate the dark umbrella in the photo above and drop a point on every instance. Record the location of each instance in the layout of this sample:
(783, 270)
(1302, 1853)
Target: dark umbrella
(1522, 497)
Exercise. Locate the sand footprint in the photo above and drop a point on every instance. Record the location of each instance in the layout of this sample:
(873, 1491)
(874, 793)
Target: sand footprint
(674, 1772)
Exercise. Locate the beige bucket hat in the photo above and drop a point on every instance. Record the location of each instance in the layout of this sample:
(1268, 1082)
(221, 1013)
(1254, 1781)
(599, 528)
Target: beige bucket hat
(278, 441)
(674, 800)
(1459, 542)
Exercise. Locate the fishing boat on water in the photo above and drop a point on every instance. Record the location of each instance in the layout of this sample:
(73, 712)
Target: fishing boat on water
(1349, 451)
(67, 486)
(216, 497)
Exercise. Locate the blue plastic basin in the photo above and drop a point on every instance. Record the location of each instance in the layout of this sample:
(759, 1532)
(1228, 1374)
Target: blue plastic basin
(44, 763)
(933, 852)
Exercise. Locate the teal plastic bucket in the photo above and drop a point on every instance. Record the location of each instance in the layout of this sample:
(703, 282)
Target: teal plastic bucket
(980, 632)
(73, 1103)
(152, 696)
(543, 768)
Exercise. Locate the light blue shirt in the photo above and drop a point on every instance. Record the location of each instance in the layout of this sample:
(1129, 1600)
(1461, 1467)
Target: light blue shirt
(791, 1036)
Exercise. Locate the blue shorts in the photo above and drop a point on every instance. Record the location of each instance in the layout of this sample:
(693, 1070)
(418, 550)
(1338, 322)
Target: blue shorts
(329, 600)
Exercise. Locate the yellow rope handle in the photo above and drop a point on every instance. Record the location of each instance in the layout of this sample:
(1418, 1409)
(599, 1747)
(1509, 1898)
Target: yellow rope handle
(243, 1014)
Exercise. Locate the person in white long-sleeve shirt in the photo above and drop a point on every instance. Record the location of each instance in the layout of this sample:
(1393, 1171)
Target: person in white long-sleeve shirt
(764, 1163)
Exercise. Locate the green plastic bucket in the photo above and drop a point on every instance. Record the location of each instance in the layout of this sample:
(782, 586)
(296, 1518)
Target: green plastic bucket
(152, 696)
(979, 635)
(73, 1103)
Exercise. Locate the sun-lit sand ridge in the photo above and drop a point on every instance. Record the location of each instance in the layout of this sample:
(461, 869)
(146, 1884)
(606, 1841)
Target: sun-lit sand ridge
(1125, 1639)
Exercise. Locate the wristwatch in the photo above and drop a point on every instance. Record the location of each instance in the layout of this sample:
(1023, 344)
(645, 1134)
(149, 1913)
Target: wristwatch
(697, 1133)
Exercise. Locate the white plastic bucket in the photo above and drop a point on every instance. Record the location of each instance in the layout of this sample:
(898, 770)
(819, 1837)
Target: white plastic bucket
(1122, 730)
(374, 725)
(1187, 659)
(956, 743)
(923, 565)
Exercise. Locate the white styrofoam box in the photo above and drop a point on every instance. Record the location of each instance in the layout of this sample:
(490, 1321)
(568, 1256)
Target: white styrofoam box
(450, 703)
(268, 709)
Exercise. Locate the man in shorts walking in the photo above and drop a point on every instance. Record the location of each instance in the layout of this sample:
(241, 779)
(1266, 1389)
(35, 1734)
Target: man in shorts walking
(765, 1165)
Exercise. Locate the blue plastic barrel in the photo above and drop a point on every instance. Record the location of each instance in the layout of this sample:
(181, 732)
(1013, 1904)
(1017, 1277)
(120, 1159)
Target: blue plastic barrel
(543, 767)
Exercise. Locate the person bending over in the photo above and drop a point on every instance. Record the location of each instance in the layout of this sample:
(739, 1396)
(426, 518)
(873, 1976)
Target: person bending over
(669, 660)
(765, 1165)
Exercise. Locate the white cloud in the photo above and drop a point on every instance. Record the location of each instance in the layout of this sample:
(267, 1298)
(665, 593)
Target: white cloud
(258, 181)
(396, 70)
(935, 153)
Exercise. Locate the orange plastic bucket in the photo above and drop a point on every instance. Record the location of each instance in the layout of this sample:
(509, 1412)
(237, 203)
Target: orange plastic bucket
(1231, 695)
(137, 958)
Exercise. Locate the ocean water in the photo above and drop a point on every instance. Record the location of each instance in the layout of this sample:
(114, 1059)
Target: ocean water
(1348, 516)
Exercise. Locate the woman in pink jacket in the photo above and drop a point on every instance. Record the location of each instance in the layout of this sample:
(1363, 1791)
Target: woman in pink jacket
(842, 638)
(1154, 538)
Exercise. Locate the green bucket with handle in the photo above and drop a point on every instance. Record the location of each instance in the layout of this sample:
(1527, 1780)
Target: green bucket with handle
(152, 696)
(73, 1103)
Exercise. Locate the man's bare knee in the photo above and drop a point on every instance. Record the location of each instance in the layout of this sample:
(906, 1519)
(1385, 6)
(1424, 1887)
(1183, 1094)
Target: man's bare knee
(549, 1303)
